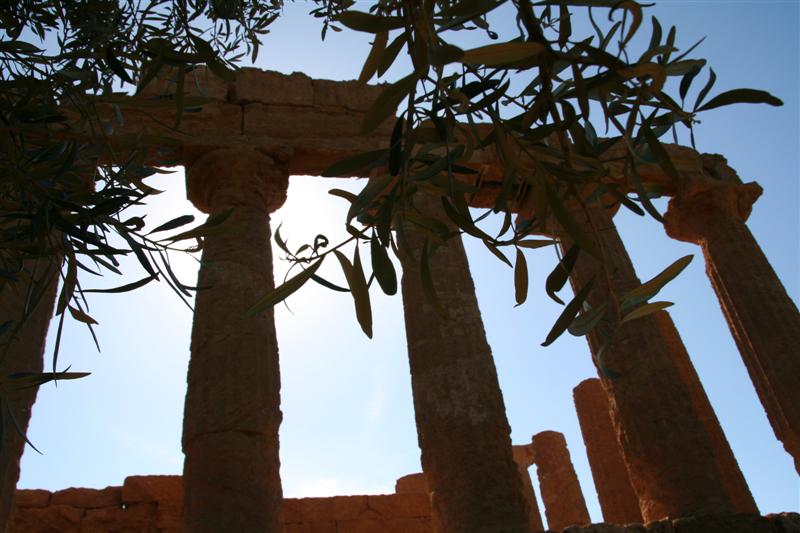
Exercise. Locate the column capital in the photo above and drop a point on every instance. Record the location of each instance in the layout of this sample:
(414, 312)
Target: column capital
(703, 203)
(230, 177)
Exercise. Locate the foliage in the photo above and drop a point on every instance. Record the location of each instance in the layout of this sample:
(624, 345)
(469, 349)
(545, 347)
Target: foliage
(526, 96)
(64, 185)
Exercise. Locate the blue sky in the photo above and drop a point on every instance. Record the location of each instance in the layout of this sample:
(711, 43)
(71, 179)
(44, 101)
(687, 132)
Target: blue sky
(348, 421)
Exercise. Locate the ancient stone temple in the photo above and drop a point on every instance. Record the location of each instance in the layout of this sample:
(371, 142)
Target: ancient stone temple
(657, 452)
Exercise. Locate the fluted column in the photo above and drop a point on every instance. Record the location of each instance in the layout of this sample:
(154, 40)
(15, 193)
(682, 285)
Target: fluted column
(762, 317)
(678, 460)
(618, 501)
(232, 413)
(462, 427)
(564, 505)
(22, 352)
(523, 456)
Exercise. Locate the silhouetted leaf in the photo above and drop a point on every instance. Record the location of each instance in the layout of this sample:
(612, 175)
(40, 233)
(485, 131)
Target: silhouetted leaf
(712, 77)
(125, 288)
(174, 223)
(327, 284)
(386, 103)
(25, 380)
(391, 53)
(347, 195)
(366, 22)
(354, 274)
(568, 314)
(664, 160)
(501, 53)
(560, 274)
(280, 293)
(741, 96)
(374, 57)
(213, 225)
(520, 278)
(80, 316)
(351, 166)
(382, 267)
(533, 243)
(652, 287)
(645, 310)
(586, 321)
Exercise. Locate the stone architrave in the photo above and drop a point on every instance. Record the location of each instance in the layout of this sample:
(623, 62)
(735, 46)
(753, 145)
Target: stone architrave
(618, 501)
(564, 505)
(678, 459)
(462, 427)
(523, 456)
(22, 353)
(763, 319)
(232, 413)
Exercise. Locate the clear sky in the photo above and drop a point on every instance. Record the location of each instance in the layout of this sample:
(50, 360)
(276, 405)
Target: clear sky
(348, 421)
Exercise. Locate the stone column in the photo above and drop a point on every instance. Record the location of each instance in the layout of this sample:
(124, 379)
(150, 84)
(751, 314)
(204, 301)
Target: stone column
(618, 501)
(678, 460)
(232, 413)
(462, 427)
(762, 317)
(564, 505)
(523, 456)
(22, 352)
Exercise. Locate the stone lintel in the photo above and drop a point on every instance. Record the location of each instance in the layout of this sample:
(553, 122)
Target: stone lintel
(320, 120)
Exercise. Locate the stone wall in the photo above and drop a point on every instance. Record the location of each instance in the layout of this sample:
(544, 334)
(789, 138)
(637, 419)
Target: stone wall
(151, 504)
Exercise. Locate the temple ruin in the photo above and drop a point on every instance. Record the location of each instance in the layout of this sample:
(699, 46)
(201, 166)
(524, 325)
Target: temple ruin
(656, 449)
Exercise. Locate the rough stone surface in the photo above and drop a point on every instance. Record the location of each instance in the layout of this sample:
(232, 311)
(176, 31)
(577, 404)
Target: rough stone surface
(564, 505)
(320, 120)
(32, 498)
(727, 465)
(672, 462)
(412, 484)
(394, 513)
(88, 498)
(152, 489)
(523, 456)
(232, 413)
(267, 87)
(462, 428)
(24, 354)
(763, 318)
(618, 501)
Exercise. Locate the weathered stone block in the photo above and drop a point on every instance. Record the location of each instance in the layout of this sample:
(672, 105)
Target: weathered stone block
(51, 519)
(152, 489)
(660, 526)
(134, 517)
(399, 525)
(168, 514)
(88, 498)
(734, 523)
(400, 505)
(412, 484)
(785, 522)
(267, 87)
(345, 94)
(292, 511)
(318, 526)
(198, 82)
(32, 498)
(335, 508)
